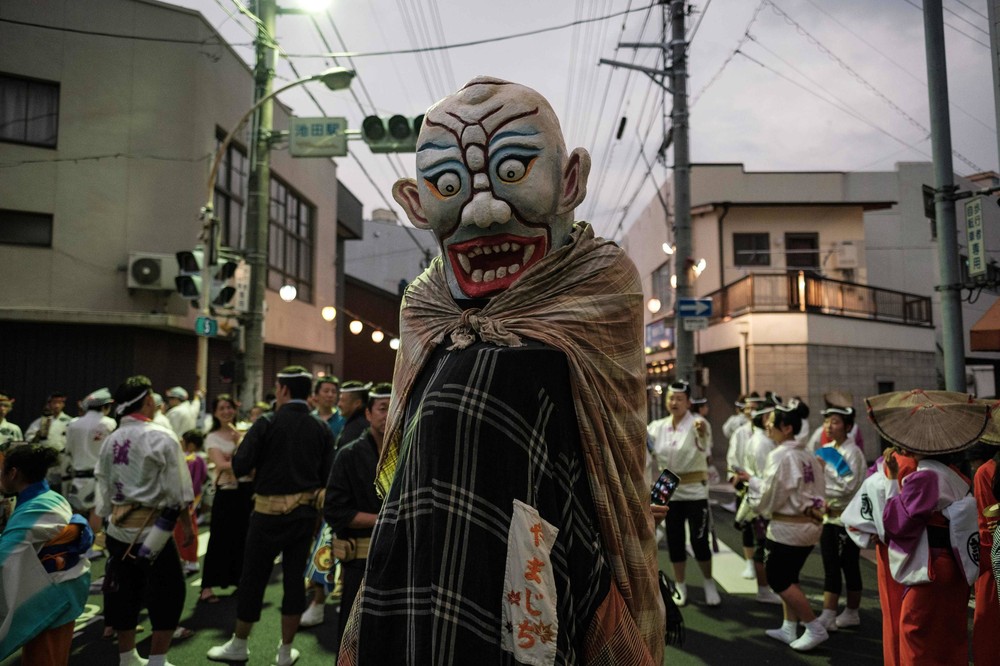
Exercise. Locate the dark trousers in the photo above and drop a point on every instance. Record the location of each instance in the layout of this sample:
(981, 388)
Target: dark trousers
(695, 513)
(783, 563)
(840, 553)
(291, 535)
(158, 586)
(227, 539)
(354, 573)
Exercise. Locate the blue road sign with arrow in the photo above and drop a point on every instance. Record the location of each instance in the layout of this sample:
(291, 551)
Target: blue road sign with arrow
(694, 307)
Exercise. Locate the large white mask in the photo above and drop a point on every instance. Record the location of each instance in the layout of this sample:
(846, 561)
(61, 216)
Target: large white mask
(494, 184)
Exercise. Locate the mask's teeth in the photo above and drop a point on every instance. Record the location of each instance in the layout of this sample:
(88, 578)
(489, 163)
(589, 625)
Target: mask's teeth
(514, 268)
(528, 251)
(464, 261)
(477, 275)
(502, 272)
(489, 275)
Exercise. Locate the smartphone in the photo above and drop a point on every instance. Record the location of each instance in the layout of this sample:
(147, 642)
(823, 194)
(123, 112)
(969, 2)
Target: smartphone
(664, 487)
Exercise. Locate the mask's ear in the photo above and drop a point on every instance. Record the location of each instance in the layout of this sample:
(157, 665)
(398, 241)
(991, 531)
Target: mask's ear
(574, 181)
(405, 192)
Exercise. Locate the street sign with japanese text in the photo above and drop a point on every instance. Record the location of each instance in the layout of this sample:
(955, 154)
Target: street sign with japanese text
(974, 237)
(695, 323)
(318, 137)
(694, 307)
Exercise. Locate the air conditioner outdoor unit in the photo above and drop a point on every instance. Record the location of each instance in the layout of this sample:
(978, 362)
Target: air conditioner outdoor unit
(846, 255)
(151, 270)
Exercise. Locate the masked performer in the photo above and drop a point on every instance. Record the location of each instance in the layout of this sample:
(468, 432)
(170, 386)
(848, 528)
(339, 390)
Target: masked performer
(517, 527)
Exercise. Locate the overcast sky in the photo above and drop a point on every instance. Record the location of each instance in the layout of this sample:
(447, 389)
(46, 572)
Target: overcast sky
(832, 85)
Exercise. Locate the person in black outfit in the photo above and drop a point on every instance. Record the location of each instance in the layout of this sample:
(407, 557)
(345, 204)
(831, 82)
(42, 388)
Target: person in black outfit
(351, 501)
(291, 452)
(352, 402)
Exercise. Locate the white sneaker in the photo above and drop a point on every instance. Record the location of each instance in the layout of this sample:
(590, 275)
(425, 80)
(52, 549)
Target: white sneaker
(191, 568)
(712, 597)
(133, 659)
(229, 651)
(680, 594)
(94, 554)
(828, 619)
(849, 618)
(814, 635)
(749, 572)
(780, 634)
(286, 658)
(313, 616)
(766, 595)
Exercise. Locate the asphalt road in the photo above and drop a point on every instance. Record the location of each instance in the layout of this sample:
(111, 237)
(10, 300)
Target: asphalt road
(732, 633)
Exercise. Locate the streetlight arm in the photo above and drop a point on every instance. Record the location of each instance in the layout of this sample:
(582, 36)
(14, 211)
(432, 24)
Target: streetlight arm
(220, 153)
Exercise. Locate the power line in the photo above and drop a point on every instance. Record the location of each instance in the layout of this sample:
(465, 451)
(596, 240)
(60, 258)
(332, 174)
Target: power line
(860, 79)
(902, 68)
(694, 30)
(972, 9)
(624, 101)
(725, 63)
(212, 40)
(921, 9)
(477, 42)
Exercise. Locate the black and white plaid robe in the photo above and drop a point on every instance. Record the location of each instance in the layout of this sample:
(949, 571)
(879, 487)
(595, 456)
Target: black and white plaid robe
(480, 432)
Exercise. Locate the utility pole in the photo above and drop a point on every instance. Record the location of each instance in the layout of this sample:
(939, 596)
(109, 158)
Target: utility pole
(683, 262)
(952, 334)
(678, 135)
(258, 214)
(993, 12)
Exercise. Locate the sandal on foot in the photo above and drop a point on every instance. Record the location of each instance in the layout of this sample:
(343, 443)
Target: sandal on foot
(180, 633)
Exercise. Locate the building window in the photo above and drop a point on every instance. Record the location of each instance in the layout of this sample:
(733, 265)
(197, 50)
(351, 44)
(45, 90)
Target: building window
(290, 241)
(18, 227)
(29, 111)
(802, 251)
(230, 194)
(661, 286)
(752, 249)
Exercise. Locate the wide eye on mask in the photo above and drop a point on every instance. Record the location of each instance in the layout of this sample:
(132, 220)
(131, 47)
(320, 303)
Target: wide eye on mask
(445, 184)
(514, 168)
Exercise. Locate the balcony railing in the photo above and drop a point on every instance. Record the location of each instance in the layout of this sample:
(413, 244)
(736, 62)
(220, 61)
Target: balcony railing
(805, 292)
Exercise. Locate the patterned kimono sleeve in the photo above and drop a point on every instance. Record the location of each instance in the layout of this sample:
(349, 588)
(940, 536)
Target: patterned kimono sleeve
(906, 515)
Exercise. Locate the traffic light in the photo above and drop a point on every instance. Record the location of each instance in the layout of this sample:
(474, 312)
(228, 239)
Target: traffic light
(395, 134)
(188, 280)
(223, 287)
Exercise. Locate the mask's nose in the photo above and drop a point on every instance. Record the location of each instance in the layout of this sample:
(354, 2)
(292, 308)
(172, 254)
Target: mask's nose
(484, 210)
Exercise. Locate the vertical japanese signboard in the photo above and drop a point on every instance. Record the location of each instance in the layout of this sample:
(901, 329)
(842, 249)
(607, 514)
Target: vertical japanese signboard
(974, 237)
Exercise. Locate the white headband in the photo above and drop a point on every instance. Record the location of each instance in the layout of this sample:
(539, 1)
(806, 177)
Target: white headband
(294, 375)
(120, 409)
(355, 389)
(379, 395)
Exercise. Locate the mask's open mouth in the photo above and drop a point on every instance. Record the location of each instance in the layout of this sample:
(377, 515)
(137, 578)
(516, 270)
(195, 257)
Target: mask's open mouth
(489, 264)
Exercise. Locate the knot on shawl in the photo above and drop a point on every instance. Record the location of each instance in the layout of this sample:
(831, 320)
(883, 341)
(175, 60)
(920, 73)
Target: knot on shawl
(473, 323)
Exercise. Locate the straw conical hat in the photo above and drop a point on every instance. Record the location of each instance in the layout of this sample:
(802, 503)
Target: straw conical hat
(839, 398)
(929, 422)
(992, 433)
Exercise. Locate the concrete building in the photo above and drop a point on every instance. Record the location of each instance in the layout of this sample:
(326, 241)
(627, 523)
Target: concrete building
(114, 110)
(390, 254)
(818, 281)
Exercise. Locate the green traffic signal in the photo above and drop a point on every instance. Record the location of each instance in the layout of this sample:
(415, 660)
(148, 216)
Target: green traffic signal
(396, 134)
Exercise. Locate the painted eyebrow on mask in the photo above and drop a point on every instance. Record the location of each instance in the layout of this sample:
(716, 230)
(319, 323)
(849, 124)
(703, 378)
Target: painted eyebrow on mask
(511, 133)
(430, 145)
